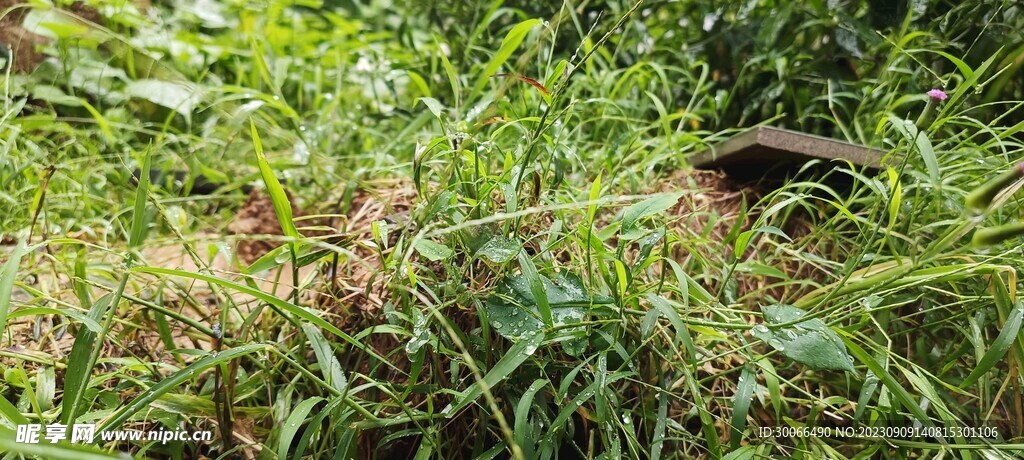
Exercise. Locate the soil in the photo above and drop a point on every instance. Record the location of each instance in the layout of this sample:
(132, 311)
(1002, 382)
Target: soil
(23, 44)
(257, 217)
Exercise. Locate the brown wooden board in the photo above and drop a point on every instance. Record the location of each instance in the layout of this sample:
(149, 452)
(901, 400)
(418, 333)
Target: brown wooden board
(765, 147)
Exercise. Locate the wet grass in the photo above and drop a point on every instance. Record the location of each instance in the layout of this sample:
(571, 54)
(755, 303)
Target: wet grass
(489, 243)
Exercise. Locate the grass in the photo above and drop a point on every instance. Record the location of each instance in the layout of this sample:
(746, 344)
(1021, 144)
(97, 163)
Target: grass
(488, 241)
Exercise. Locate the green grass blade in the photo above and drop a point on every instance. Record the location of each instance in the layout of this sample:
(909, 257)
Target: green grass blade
(508, 46)
(658, 436)
(516, 355)
(44, 449)
(741, 405)
(138, 230)
(449, 71)
(293, 423)
(79, 370)
(536, 287)
(11, 413)
(889, 381)
(521, 427)
(924, 146)
(87, 349)
(296, 310)
(282, 205)
(329, 365)
(174, 381)
(1000, 346)
(7, 276)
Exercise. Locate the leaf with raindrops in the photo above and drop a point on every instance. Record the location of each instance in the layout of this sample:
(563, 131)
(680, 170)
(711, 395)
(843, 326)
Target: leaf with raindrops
(512, 309)
(810, 342)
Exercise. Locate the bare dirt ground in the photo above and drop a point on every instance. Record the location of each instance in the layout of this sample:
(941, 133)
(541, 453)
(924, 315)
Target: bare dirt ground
(22, 43)
(351, 292)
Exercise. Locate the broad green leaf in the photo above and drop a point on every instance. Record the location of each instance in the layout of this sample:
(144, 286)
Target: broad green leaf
(46, 387)
(682, 333)
(747, 452)
(433, 251)
(897, 197)
(180, 97)
(421, 335)
(487, 241)
(433, 105)
(646, 208)
(658, 436)
(449, 70)
(536, 284)
(757, 268)
(53, 23)
(499, 249)
(647, 244)
(1004, 301)
(810, 342)
(771, 380)
(379, 228)
(512, 309)
(55, 95)
(305, 254)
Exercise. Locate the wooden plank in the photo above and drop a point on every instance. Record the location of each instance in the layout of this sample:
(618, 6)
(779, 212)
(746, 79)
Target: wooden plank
(765, 146)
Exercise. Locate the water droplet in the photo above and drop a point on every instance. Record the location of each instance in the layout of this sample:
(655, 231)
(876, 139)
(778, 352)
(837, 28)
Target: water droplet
(497, 324)
(761, 328)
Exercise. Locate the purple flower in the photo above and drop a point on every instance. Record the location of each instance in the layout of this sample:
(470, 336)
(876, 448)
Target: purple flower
(938, 95)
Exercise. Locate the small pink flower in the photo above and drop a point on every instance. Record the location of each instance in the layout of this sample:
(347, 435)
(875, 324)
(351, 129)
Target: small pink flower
(938, 95)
